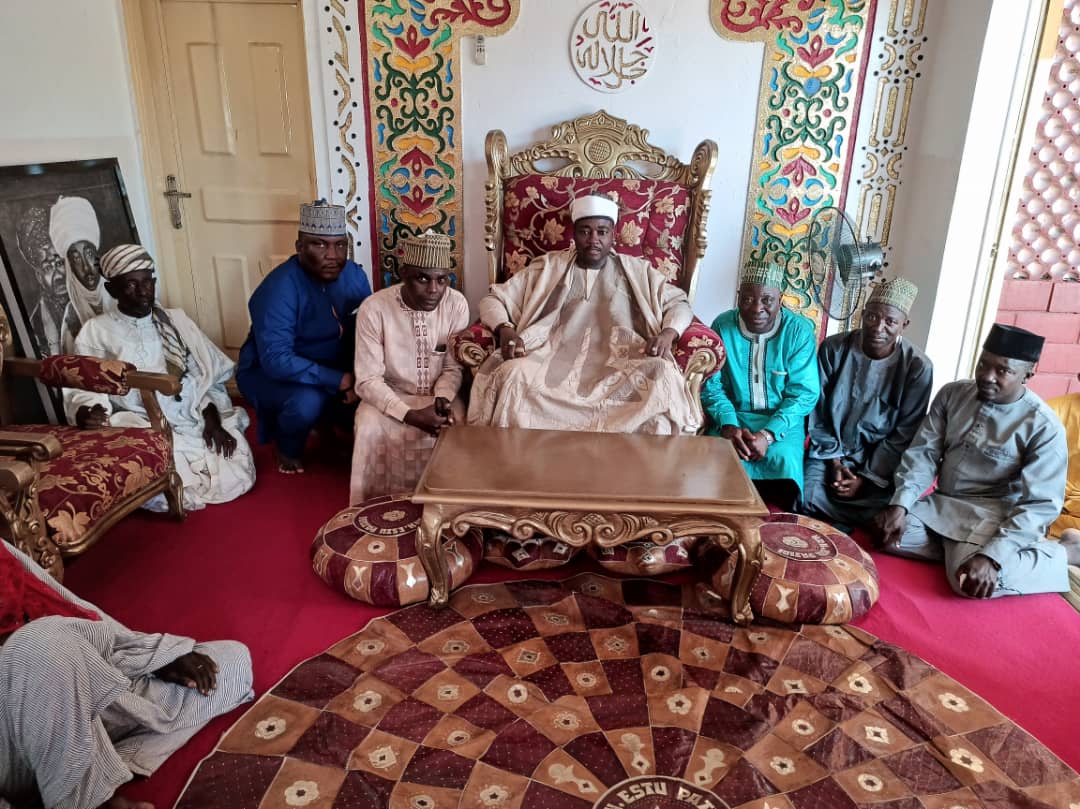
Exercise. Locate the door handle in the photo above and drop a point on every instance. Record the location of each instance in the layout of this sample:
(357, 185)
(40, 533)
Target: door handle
(173, 194)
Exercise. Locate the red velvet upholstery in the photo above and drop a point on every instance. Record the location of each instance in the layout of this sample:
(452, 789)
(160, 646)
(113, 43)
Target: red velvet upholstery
(86, 373)
(97, 470)
(368, 552)
(653, 216)
(810, 573)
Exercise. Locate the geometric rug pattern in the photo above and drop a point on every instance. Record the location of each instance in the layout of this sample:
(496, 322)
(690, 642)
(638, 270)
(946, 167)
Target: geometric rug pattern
(619, 694)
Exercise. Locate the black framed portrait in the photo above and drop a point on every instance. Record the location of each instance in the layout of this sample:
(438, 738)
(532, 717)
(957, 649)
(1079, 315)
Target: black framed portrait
(56, 219)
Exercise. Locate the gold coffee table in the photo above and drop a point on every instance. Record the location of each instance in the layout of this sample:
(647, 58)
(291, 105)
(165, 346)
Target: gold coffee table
(589, 488)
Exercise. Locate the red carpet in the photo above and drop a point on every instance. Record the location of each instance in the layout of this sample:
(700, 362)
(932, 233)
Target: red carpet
(241, 571)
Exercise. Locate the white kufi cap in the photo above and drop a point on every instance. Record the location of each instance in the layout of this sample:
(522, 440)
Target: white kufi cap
(594, 205)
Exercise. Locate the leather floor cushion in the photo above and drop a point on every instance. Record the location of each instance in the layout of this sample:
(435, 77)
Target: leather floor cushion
(369, 552)
(811, 573)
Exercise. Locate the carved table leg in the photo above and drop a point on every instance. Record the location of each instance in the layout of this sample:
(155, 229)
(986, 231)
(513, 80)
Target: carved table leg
(747, 567)
(431, 555)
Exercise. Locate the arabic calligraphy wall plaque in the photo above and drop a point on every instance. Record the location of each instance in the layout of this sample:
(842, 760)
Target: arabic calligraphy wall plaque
(612, 46)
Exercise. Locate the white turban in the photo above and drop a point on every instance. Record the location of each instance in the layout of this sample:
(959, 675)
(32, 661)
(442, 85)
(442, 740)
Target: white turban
(72, 219)
(594, 205)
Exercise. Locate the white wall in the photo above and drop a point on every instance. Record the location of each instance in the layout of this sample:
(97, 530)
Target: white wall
(700, 86)
(937, 125)
(66, 90)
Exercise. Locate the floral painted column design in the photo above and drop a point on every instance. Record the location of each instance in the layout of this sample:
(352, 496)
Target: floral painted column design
(414, 116)
(811, 82)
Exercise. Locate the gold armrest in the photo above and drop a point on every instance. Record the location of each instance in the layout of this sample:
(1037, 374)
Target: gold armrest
(16, 476)
(30, 446)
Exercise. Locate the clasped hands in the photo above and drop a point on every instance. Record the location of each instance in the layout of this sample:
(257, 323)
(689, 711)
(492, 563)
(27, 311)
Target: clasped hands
(749, 446)
(977, 576)
(845, 484)
(432, 418)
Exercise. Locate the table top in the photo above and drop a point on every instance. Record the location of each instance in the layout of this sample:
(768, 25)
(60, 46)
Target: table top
(543, 469)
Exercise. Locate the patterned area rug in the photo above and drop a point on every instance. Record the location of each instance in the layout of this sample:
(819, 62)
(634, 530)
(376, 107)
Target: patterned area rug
(619, 694)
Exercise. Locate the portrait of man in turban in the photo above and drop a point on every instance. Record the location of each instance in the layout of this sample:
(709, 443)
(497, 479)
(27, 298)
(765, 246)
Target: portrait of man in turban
(47, 309)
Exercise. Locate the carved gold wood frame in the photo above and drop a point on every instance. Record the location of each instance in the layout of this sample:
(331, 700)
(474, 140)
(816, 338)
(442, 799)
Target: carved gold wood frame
(737, 533)
(601, 146)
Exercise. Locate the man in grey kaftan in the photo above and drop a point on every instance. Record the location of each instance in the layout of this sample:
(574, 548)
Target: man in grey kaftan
(875, 388)
(585, 337)
(82, 712)
(999, 455)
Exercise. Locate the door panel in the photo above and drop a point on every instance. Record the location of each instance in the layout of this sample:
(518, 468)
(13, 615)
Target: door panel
(237, 72)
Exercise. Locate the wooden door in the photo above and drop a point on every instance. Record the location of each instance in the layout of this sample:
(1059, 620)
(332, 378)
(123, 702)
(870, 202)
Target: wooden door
(237, 77)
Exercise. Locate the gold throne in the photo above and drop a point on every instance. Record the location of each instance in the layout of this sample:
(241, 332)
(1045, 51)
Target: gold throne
(664, 208)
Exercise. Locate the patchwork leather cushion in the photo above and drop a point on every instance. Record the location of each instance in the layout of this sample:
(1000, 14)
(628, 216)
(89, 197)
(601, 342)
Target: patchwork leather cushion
(86, 373)
(95, 472)
(653, 216)
(811, 573)
(643, 558)
(369, 552)
(536, 553)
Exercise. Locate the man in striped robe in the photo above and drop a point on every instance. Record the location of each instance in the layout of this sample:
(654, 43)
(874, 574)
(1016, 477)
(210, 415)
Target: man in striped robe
(86, 704)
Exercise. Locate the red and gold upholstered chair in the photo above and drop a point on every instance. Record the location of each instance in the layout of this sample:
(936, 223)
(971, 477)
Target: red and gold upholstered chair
(663, 209)
(61, 487)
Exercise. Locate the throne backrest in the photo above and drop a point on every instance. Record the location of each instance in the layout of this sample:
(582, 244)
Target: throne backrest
(663, 202)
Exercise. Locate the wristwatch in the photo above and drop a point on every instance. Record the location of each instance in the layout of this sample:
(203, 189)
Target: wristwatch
(770, 439)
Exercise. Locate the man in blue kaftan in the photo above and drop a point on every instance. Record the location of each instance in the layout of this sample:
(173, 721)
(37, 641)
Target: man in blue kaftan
(769, 385)
(298, 357)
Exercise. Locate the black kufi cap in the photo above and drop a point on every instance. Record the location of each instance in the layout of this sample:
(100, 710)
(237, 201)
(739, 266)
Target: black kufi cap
(1014, 343)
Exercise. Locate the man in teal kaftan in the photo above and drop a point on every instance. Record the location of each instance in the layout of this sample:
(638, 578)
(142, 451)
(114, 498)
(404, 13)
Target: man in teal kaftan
(760, 399)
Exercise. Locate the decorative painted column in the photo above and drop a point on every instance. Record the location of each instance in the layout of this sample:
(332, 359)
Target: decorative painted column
(413, 107)
(811, 86)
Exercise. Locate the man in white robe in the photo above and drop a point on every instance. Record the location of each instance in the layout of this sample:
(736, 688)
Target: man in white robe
(86, 704)
(406, 379)
(212, 456)
(999, 456)
(585, 338)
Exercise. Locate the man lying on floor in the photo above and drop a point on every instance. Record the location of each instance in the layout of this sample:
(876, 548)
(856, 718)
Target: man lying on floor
(86, 704)
(999, 455)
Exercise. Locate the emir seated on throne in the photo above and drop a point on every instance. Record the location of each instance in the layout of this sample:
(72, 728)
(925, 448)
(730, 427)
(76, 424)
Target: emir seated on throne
(585, 337)
(588, 324)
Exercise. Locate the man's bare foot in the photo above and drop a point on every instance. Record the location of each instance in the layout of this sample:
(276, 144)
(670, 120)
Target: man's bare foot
(1070, 541)
(288, 465)
(120, 802)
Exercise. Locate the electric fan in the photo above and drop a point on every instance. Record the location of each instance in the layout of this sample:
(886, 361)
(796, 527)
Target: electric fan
(840, 266)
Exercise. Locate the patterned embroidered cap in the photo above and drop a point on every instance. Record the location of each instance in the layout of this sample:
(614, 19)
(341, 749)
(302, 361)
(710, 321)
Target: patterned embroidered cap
(898, 292)
(767, 274)
(320, 218)
(430, 251)
(125, 258)
(594, 205)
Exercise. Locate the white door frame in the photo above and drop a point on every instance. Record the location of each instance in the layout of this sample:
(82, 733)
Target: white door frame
(968, 288)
